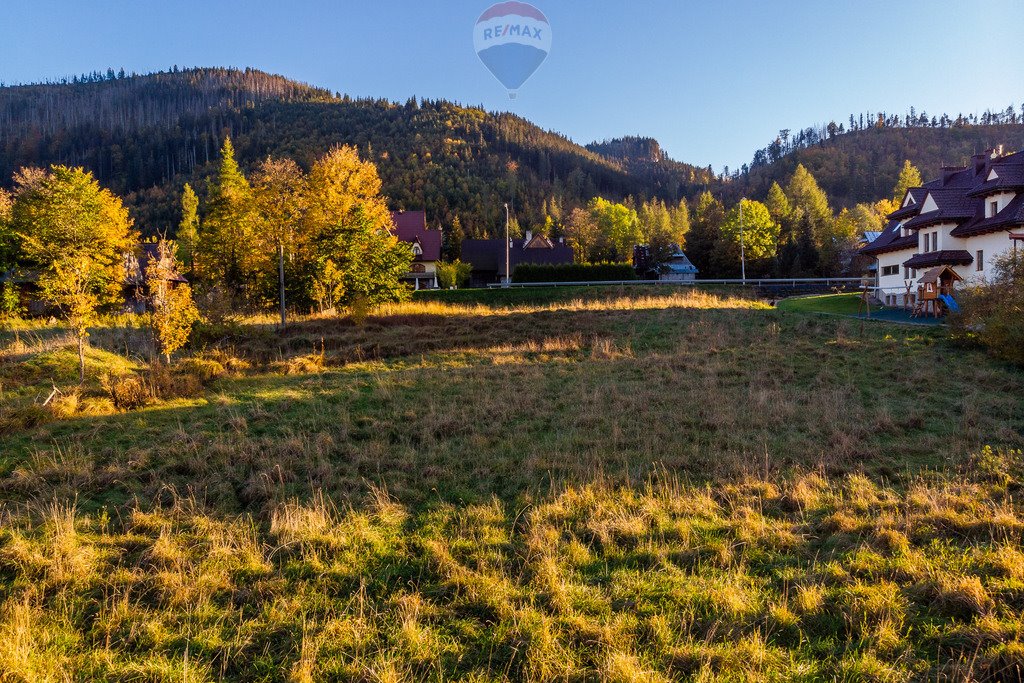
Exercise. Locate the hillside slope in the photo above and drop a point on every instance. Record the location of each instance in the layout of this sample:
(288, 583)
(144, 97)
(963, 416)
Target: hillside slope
(144, 136)
(863, 166)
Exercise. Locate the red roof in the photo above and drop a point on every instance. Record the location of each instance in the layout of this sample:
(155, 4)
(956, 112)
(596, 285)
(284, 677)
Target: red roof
(411, 227)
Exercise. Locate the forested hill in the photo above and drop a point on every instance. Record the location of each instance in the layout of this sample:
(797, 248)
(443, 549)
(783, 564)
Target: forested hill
(144, 136)
(863, 165)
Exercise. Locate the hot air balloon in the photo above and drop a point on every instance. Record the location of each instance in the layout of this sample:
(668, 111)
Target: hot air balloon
(512, 39)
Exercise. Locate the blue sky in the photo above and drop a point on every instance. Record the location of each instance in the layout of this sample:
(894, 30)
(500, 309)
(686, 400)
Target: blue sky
(713, 81)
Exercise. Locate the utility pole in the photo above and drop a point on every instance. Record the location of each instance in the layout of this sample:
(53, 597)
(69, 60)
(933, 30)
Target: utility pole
(508, 249)
(743, 247)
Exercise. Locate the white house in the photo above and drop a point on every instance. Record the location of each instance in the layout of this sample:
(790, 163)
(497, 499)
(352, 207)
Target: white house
(963, 220)
(411, 228)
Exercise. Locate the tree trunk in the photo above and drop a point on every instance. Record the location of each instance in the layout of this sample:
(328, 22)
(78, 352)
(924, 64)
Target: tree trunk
(280, 278)
(81, 358)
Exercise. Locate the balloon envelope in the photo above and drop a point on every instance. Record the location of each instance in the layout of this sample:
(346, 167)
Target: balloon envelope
(512, 39)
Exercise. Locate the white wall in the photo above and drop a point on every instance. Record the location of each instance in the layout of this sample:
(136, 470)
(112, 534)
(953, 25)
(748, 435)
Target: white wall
(1003, 198)
(893, 285)
(994, 245)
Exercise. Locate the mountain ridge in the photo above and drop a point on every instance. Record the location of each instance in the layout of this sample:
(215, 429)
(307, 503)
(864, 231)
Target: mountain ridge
(146, 135)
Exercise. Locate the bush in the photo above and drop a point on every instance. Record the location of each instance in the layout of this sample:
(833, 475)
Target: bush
(573, 272)
(205, 369)
(128, 393)
(992, 314)
(455, 274)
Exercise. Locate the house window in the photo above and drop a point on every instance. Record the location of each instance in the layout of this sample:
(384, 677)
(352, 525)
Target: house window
(979, 260)
(993, 208)
(418, 268)
(935, 241)
(890, 270)
(906, 273)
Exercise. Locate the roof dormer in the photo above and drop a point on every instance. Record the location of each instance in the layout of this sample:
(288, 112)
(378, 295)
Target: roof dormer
(908, 200)
(992, 175)
(929, 204)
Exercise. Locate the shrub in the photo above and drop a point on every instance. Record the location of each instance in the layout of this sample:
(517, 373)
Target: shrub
(205, 369)
(128, 392)
(573, 272)
(992, 314)
(174, 382)
(217, 305)
(455, 274)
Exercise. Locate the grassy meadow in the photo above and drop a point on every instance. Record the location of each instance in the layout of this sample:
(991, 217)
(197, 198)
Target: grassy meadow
(615, 484)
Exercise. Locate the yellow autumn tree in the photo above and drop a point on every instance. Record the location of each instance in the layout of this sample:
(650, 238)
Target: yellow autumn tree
(77, 235)
(173, 310)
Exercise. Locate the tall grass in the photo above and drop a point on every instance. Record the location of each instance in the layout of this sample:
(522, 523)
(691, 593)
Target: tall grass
(615, 486)
(753, 579)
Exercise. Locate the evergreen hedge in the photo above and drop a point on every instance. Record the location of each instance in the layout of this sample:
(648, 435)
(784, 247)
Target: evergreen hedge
(573, 272)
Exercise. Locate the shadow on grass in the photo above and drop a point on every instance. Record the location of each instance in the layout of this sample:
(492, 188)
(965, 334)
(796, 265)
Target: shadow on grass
(535, 401)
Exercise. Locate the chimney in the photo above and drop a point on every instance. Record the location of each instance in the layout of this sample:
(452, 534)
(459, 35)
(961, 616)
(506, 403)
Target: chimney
(529, 236)
(561, 240)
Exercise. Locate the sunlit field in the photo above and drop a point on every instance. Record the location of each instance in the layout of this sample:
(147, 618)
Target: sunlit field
(580, 484)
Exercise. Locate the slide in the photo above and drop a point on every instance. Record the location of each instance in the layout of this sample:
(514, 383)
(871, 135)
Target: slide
(950, 302)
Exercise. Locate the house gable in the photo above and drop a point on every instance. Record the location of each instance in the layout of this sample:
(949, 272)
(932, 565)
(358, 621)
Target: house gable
(929, 204)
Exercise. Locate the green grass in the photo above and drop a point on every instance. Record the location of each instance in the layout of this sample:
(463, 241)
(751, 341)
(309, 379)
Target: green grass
(534, 296)
(603, 485)
(835, 304)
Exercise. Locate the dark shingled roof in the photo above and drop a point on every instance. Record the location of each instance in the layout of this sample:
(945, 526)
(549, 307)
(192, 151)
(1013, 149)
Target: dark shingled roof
(959, 197)
(1010, 176)
(890, 240)
(940, 258)
(489, 255)
(918, 193)
(411, 227)
(954, 207)
(1011, 216)
(149, 252)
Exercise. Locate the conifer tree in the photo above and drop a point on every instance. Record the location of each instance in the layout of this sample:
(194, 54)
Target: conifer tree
(658, 232)
(909, 177)
(777, 203)
(702, 241)
(805, 194)
(228, 249)
(453, 238)
(188, 228)
(681, 222)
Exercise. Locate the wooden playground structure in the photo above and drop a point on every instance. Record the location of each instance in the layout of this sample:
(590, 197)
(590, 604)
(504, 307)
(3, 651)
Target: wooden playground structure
(935, 292)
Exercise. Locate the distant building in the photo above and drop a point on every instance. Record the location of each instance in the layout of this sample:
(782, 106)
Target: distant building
(411, 228)
(678, 267)
(963, 220)
(487, 257)
(139, 282)
(136, 288)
